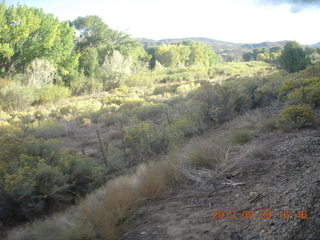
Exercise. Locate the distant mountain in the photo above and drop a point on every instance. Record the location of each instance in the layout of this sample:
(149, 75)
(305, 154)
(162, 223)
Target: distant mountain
(215, 44)
(315, 45)
(220, 47)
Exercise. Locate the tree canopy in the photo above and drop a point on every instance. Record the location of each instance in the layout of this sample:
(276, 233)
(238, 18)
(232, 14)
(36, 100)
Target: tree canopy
(293, 58)
(187, 53)
(29, 33)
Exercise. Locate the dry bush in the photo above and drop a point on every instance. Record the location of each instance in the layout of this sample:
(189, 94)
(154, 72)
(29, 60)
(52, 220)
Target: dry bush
(109, 209)
(241, 136)
(105, 213)
(57, 227)
(205, 153)
(50, 129)
(260, 151)
(251, 120)
(155, 178)
(114, 134)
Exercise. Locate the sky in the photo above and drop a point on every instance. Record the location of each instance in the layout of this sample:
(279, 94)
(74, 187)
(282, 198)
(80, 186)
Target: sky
(239, 21)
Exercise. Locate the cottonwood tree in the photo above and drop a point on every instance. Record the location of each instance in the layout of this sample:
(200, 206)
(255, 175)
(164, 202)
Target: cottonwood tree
(29, 33)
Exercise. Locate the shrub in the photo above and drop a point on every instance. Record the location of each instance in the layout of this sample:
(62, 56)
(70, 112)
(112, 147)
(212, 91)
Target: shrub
(51, 93)
(241, 136)
(39, 74)
(84, 85)
(299, 91)
(295, 117)
(151, 111)
(37, 177)
(50, 129)
(109, 209)
(204, 153)
(15, 97)
(269, 125)
(145, 139)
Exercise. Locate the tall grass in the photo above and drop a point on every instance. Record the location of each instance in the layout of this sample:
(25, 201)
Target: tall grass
(105, 213)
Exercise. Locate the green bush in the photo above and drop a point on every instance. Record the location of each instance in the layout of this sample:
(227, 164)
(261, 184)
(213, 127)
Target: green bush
(84, 85)
(50, 129)
(299, 91)
(295, 117)
(37, 177)
(145, 139)
(15, 97)
(52, 93)
(150, 111)
(241, 136)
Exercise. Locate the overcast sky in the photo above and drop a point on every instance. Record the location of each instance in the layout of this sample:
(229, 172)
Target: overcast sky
(241, 21)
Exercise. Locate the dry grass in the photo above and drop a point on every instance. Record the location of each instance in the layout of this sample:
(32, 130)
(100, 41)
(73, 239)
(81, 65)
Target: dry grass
(105, 213)
(260, 151)
(109, 210)
(251, 120)
(114, 134)
(205, 153)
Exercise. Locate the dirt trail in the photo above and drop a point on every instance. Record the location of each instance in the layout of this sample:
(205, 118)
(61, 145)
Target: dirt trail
(285, 178)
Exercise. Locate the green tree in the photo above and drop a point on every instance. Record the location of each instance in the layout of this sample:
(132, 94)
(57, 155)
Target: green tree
(94, 33)
(28, 33)
(247, 57)
(293, 58)
(97, 41)
(201, 54)
(88, 61)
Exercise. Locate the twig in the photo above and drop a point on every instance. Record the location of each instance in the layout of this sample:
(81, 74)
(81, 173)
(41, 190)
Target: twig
(232, 183)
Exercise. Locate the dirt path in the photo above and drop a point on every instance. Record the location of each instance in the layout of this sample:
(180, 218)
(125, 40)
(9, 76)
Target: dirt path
(287, 178)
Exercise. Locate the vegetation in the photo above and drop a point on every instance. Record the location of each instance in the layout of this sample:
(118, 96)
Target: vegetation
(41, 178)
(150, 104)
(293, 57)
(294, 117)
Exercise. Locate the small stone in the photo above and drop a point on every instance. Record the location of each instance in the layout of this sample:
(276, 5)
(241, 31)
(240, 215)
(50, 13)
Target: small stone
(143, 233)
(253, 194)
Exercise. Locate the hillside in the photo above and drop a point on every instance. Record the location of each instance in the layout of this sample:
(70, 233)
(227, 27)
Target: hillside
(102, 138)
(232, 148)
(219, 46)
(275, 178)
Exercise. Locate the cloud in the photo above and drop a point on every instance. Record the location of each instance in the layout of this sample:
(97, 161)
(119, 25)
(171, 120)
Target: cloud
(296, 5)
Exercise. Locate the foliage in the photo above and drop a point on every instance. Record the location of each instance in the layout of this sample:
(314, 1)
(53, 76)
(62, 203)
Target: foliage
(241, 136)
(306, 90)
(263, 54)
(293, 58)
(299, 116)
(39, 74)
(83, 85)
(185, 55)
(113, 71)
(50, 130)
(28, 34)
(14, 96)
(37, 177)
(51, 93)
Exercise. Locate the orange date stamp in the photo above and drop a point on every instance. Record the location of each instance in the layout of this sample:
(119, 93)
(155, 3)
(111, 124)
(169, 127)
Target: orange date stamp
(266, 214)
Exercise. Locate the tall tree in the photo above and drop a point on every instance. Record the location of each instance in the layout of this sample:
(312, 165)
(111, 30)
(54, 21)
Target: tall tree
(96, 41)
(293, 58)
(29, 33)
